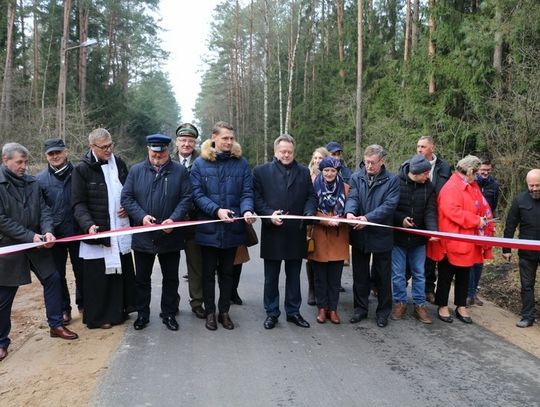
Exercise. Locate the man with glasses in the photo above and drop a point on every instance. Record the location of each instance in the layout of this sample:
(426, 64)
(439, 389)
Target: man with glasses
(373, 197)
(109, 277)
(490, 190)
(157, 191)
(55, 182)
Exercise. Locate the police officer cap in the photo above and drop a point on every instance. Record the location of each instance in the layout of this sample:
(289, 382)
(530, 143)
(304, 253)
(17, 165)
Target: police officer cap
(158, 142)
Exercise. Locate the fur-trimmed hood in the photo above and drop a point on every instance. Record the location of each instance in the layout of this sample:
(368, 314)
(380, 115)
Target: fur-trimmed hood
(208, 152)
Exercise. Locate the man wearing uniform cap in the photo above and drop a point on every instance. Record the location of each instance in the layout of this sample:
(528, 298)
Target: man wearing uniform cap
(157, 191)
(186, 140)
(55, 182)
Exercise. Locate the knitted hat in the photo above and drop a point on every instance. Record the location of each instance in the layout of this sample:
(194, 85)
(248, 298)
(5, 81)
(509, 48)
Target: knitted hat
(419, 164)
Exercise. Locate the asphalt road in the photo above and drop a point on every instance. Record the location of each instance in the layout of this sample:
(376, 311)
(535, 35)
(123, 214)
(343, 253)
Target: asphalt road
(405, 364)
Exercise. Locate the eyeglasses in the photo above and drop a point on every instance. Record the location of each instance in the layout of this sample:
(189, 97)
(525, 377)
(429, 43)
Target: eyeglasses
(105, 147)
(372, 163)
(187, 140)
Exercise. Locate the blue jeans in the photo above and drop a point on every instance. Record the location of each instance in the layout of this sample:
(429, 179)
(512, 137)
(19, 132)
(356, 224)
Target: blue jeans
(474, 279)
(416, 257)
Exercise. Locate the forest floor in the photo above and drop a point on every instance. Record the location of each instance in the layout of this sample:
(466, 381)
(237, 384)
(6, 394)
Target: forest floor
(44, 371)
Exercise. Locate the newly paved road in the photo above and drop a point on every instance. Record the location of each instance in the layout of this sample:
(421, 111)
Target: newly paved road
(405, 364)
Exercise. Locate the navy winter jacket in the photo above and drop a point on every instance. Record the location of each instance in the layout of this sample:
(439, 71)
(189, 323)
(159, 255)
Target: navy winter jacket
(163, 195)
(377, 203)
(221, 181)
(57, 194)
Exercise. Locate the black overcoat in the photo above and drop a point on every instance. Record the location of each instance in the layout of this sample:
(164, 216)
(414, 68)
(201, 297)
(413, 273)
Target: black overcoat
(291, 190)
(20, 220)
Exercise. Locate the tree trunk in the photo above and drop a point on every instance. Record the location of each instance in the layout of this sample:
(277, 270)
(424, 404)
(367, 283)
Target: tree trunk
(7, 83)
(36, 57)
(292, 59)
(280, 89)
(341, 52)
(359, 73)
(83, 52)
(407, 37)
(266, 60)
(61, 99)
(431, 47)
(414, 26)
(498, 51)
(23, 39)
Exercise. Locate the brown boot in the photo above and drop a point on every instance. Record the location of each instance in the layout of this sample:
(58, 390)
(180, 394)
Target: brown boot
(321, 316)
(421, 314)
(334, 317)
(398, 311)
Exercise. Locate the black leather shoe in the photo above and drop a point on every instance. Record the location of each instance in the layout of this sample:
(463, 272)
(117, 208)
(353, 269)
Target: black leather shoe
(224, 319)
(270, 322)
(382, 322)
(357, 318)
(3, 353)
(467, 320)
(140, 323)
(211, 323)
(171, 323)
(298, 320)
(445, 318)
(522, 323)
(199, 312)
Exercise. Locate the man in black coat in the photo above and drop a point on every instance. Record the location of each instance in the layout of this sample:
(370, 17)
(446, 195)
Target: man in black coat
(109, 276)
(55, 182)
(157, 191)
(373, 198)
(26, 218)
(283, 187)
(525, 214)
(416, 209)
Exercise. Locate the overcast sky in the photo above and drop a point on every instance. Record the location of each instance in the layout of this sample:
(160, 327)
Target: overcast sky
(186, 25)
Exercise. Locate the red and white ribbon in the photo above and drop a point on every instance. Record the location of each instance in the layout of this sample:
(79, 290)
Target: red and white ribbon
(523, 244)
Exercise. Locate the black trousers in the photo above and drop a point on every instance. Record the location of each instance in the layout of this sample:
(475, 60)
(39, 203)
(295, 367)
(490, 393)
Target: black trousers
(362, 271)
(430, 267)
(327, 283)
(60, 253)
(169, 262)
(527, 274)
(447, 272)
(220, 261)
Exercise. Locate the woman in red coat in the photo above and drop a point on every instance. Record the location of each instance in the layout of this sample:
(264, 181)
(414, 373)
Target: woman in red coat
(461, 209)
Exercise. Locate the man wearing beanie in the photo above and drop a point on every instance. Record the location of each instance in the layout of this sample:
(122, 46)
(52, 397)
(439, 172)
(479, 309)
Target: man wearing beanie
(416, 209)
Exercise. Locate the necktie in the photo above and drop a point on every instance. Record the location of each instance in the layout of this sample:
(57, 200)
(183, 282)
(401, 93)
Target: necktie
(184, 162)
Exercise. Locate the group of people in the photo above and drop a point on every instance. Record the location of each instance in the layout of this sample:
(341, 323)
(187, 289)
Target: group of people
(425, 194)
(100, 194)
